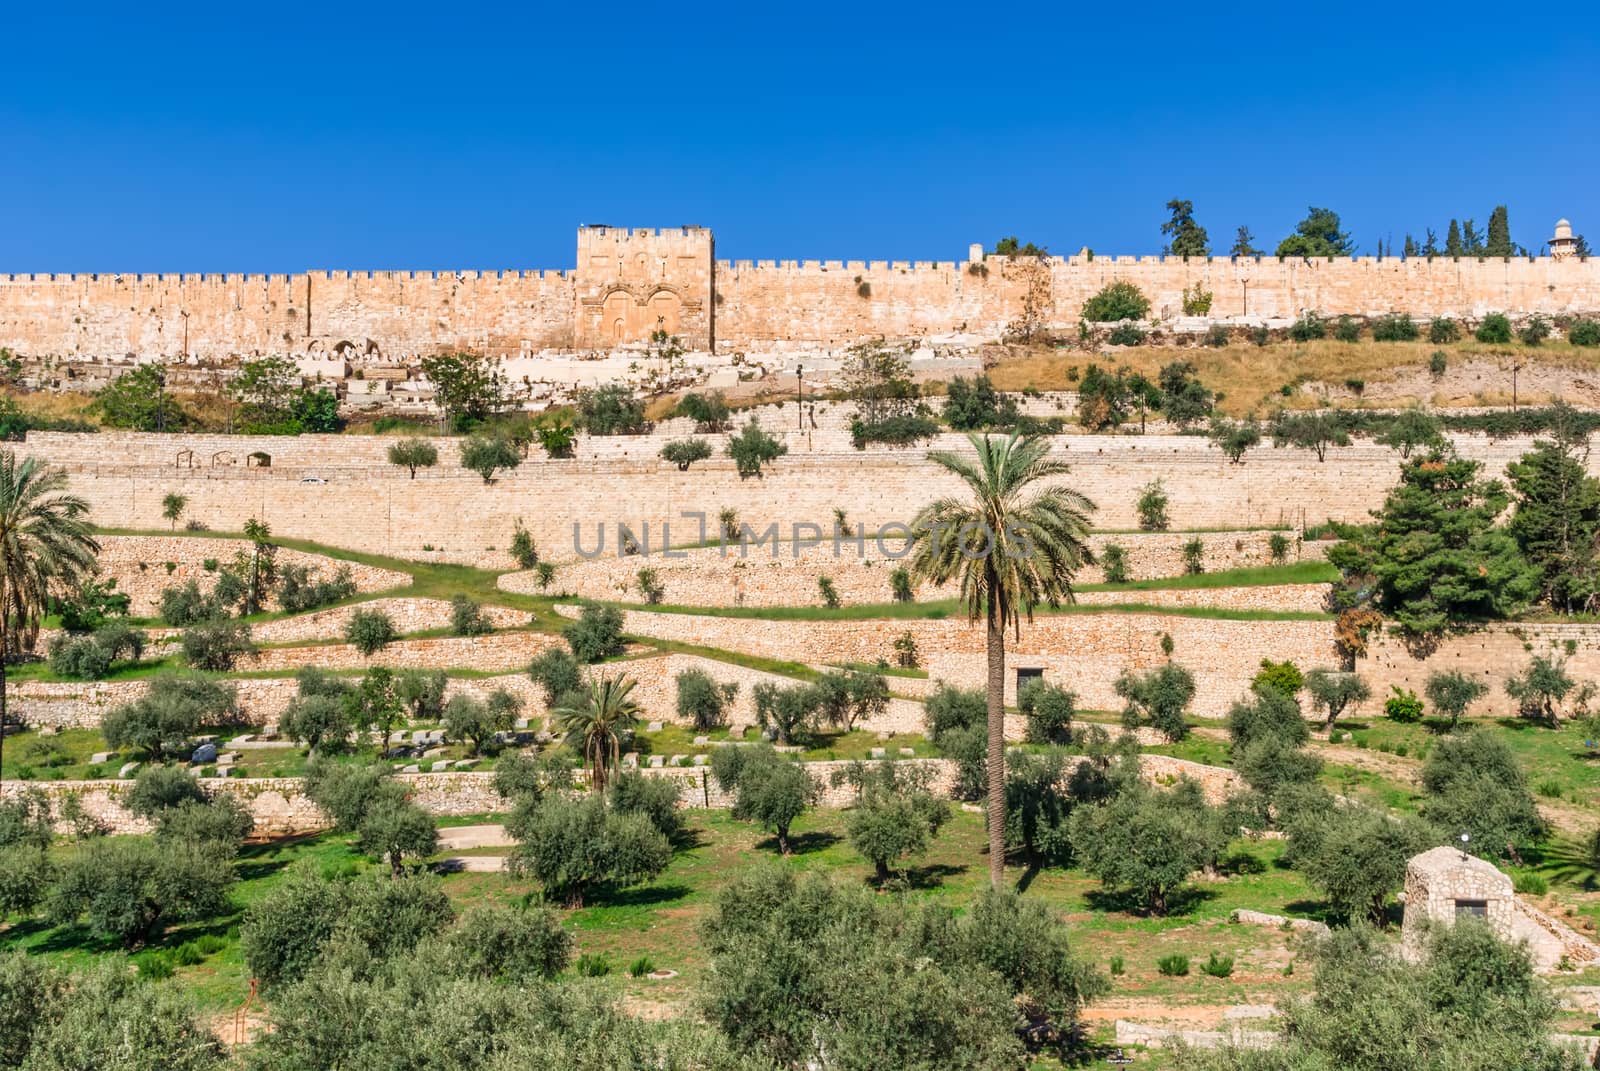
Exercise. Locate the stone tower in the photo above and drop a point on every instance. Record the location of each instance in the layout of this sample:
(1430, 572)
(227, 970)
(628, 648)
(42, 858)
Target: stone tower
(632, 283)
(1563, 244)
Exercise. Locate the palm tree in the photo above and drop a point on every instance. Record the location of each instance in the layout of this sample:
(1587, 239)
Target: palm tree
(45, 540)
(599, 722)
(1010, 553)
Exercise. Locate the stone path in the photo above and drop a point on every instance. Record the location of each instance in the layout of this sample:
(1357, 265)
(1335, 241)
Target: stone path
(457, 838)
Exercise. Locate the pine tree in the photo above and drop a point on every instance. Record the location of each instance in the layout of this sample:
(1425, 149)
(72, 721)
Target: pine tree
(1452, 240)
(1472, 239)
(1430, 244)
(1189, 239)
(1409, 250)
(1242, 244)
(1499, 242)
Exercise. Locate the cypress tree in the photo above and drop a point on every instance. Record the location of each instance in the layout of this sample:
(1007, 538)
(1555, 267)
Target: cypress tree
(1452, 240)
(1499, 242)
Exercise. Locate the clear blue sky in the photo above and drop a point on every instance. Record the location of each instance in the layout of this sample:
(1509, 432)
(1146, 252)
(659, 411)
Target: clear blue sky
(262, 137)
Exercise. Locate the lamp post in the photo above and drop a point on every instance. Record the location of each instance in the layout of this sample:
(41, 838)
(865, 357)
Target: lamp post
(800, 396)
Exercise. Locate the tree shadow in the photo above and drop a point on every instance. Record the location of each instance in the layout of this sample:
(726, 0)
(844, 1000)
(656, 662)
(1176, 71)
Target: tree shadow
(1033, 867)
(688, 838)
(930, 875)
(1317, 910)
(1180, 902)
(644, 896)
(814, 840)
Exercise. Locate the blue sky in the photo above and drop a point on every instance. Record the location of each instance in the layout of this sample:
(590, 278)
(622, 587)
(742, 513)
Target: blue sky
(283, 138)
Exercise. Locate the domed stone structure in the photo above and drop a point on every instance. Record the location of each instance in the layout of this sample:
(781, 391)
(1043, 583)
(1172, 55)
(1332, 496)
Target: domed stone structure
(1563, 244)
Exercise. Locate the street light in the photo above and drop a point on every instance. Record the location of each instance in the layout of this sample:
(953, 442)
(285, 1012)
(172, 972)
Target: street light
(800, 396)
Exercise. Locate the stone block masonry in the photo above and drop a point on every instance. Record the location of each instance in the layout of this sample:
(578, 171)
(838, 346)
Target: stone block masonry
(280, 806)
(629, 283)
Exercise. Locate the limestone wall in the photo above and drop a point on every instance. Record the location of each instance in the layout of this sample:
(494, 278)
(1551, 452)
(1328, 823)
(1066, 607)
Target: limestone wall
(496, 652)
(408, 615)
(1082, 652)
(1490, 654)
(860, 569)
(145, 566)
(280, 806)
(627, 283)
(372, 506)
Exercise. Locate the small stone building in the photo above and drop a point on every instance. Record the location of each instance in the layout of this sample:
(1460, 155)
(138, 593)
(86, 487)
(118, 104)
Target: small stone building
(1444, 884)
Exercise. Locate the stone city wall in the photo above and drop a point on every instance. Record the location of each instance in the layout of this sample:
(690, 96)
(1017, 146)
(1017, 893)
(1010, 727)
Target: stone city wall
(1490, 654)
(446, 514)
(633, 281)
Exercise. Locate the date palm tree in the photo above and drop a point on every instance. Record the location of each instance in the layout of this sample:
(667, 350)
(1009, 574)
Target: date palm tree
(1012, 545)
(45, 540)
(605, 713)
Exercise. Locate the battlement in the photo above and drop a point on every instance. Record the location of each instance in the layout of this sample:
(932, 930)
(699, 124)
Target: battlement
(629, 283)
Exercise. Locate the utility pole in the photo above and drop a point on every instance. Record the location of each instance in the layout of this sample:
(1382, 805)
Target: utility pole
(800, 397)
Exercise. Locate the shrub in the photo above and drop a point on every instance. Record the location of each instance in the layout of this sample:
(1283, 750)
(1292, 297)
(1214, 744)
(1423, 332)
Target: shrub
(1495, 328)
(160, 788)
(710, 412)
(1217, 336)
(596, 635)
(1278, 548)
(522, 547)
(900, 584)
(641, 967)
(477, 721)
(1309, 327)
(1117, 966)
(558, 673)
(574, 846)
(301, 588)
(1261, 334)
(522, 944)
(685, 452)
(905, 651)
(1437, 363)
(216, 645)
(1152, 507)
(1535, 331)
(1126, 334)
(1114, 563)
(467, 617)
(1444, 330)
(1395, 327)
(1403, 706)
(611, 409)
(1116, 301)
(1218, 966)
(829, 593)
(753, 448)
(1159, 698)
(1049, 709)
(702, 701)
(1584, 333)
(590, 965)
(650, 586)
(1194, 556)
(1347, 330)
(370, 631)
(900, 429)
(1282, 677)
(78, 657)
(1173, 966)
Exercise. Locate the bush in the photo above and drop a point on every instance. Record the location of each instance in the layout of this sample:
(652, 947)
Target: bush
(522, 945)
(685, 452)
(900, 587)
(1495, 328)
(467, 618)
(1173, 966)
(522, 548)
(1283, 677)
(1437, 363)
(1159, 698)
(172, 710)
(558, 673)
(590, 965)
(1116, 301)
(1309, 327)
(216, 645)
(902, 429)
(1114, 563)
(641, 967)
(1535, 331)
(1444, 330)
(753, 448)
(906, 655)
(1261, 334)
(1278, 548)
(1217, 336)
(1218, 966)
(1347, 330)
(1396, 327)
(702, 702)
(710, 412)
(656, 798)
(829, 593)
(370, 631)
(574, 846)
(1152, 507)
(1126, 334)
(160, 788)
(1402, 706)
(1584, 333)
(597, 634)
(611, 410)
(1194, 556)
(1049, 709)
(301, 589)
(78, 657)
